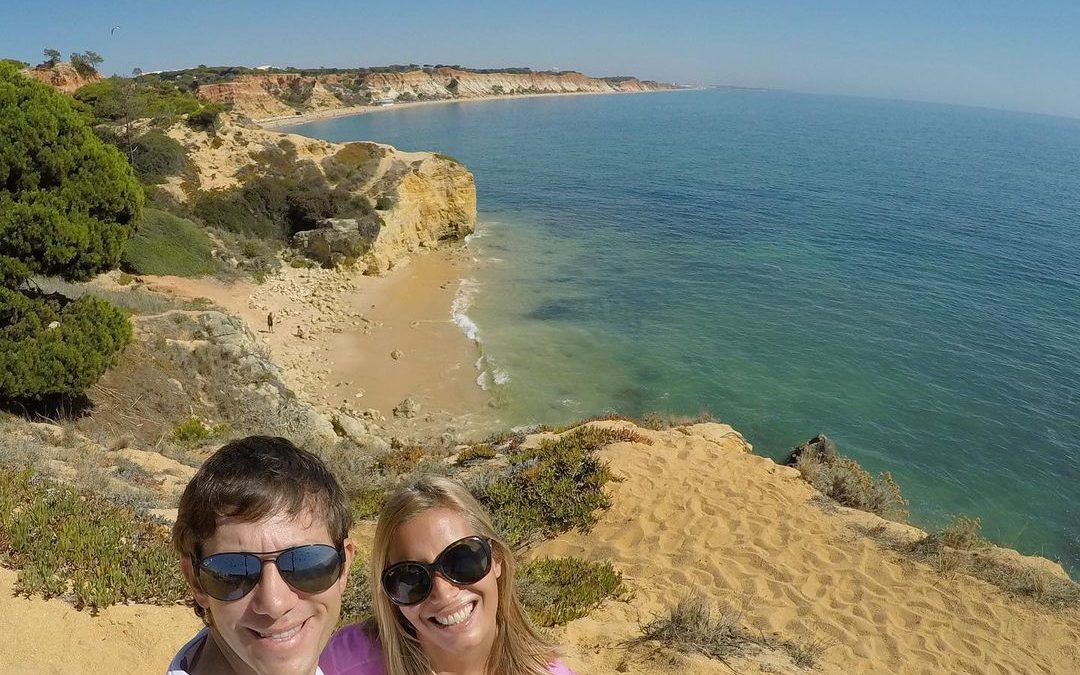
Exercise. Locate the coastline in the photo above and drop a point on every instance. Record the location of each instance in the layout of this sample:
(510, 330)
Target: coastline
(345, 339)
(281, 122)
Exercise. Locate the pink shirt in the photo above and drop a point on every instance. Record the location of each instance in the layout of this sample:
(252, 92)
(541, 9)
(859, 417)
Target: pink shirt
(353, 652)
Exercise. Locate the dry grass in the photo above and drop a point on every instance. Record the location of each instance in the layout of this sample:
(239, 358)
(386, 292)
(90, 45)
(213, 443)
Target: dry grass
(958, 549)
(694, 626)
(843, 480)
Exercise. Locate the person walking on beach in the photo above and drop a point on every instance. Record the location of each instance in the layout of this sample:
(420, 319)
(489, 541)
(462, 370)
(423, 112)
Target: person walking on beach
(270, 322)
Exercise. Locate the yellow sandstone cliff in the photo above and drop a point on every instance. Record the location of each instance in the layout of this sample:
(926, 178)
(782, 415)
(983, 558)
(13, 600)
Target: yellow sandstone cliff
(428, 198)
(276, 95)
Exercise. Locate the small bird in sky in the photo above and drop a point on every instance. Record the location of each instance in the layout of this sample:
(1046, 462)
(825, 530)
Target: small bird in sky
(114, 29)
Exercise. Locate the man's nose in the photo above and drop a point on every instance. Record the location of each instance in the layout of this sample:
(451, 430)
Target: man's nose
(272, 596)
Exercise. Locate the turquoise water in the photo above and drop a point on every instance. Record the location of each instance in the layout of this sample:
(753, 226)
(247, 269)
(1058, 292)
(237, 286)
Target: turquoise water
(902, 277)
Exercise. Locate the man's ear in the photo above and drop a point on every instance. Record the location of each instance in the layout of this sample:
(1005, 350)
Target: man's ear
(347, 545)
(189, 575)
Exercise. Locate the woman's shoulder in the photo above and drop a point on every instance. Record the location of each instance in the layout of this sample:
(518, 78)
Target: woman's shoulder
(353, 650)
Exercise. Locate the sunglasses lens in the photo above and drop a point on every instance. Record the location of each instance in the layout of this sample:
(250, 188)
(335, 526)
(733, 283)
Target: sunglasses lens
(229, 576)
(406, 583)
(467, 561)
(311, 569)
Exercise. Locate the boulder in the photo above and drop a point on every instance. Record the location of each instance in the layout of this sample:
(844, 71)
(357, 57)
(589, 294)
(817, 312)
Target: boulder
(338, 241)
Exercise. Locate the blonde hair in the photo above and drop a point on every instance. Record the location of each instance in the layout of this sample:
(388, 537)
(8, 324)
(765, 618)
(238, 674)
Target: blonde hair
(519, 649)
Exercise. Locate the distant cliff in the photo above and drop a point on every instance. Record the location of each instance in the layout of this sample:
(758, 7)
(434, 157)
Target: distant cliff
(280, 94)
(62, 76)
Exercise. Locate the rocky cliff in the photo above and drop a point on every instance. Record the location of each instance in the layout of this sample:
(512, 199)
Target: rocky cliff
(276, 95)
(62, 76)
(421, 198)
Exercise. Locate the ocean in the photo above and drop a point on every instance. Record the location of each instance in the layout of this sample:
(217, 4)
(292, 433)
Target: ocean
(903, 277)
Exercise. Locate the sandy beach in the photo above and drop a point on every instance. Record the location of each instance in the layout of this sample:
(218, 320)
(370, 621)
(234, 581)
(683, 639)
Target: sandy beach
(343, 338)
(290, 120)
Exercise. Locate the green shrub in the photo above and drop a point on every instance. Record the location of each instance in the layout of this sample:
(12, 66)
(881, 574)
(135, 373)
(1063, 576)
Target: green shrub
(476, 452)
(843, 480)
(83, 547)
(193, 430)
(165, 244)
(383, 203)
(557, 590)
(53, 346)
(553, 488)
(206, 117)
(154, 156)
(67, 201)
(367, 502)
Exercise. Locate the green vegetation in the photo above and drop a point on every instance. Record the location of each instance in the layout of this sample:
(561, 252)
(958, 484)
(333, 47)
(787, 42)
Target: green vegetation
(553, 488)
(356, 602)
(86, 62)
(476, 452)
(166, 244)
(83, 547)
(194, 430)
(278, 198)
(843, 480)
(557, 590)
(367, 502)
(68, 203)
(121, 100)
(155, 156)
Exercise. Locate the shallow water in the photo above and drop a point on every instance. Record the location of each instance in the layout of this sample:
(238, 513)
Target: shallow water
(902, 277)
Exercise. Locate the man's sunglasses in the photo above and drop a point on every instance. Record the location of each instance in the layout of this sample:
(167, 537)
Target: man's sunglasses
(463, 562)
(312, 568)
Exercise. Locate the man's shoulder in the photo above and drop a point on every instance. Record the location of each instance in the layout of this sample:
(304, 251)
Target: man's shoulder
(353, 650)
(179, 663)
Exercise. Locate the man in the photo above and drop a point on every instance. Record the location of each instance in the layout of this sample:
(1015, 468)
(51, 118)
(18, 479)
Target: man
(262, 534)
(270, 322)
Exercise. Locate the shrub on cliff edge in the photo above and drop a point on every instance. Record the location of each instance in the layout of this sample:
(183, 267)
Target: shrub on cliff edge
(842, 479)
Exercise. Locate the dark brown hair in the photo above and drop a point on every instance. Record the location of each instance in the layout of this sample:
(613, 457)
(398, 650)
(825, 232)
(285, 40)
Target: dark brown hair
(255, 477)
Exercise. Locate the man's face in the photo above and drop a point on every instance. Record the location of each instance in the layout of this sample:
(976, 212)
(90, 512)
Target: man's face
(275, 629)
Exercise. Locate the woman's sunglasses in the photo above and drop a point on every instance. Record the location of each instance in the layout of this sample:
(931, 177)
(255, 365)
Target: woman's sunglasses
(464, 562)
(312, 568)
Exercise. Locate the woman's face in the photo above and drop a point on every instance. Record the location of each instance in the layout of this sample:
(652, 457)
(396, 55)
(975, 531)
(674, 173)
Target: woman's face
(455, 622)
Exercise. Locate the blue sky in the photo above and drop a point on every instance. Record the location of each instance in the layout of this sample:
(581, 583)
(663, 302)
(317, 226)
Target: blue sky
(1012, 55)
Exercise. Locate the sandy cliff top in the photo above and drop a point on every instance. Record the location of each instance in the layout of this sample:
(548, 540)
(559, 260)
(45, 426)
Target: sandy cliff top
(695, 512)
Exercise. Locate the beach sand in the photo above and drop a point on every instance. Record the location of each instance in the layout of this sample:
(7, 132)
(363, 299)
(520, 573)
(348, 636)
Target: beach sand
(694, 512)
(336, 334)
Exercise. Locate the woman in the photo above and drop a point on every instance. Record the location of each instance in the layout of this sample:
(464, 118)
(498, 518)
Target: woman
(444, 594)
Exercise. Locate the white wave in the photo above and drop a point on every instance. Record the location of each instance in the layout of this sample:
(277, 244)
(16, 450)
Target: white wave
(500, 376)
(462, 301)
(482, 380)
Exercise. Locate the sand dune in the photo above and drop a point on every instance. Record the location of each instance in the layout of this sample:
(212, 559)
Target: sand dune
(698, 513)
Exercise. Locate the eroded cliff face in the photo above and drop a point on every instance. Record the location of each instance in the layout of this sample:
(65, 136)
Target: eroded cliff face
(424, 199)
(279, 95)
(62, 76)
